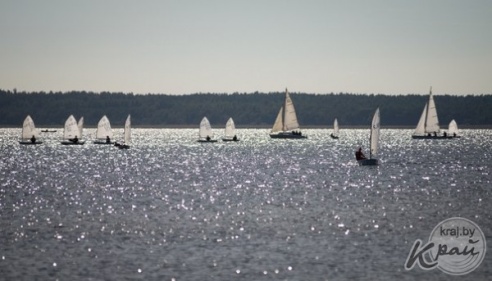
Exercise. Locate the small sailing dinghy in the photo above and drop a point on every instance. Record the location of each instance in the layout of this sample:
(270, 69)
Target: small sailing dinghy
(334, 135)
(286, 125)
(104, 134)
(206, 134)
(453, 129)
(72, 132)
(374, 141)
(230, 131)
(29, 133)
(127, 135)
(428, 126)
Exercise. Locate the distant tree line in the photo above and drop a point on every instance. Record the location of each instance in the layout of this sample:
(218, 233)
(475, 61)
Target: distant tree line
(247, 109)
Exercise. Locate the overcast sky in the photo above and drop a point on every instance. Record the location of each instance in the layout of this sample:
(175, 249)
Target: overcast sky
(226, 46)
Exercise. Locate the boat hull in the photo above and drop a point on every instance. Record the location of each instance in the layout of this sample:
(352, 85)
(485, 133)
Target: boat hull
(28, 142)
(123, 146)
(229, 139)
(72, 143)
(368, 162)
(287, 136)
(207, 140)
(431, 137)
(102, 142)
(334, 137)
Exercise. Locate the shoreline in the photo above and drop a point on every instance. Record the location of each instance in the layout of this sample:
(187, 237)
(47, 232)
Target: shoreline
(221, 126)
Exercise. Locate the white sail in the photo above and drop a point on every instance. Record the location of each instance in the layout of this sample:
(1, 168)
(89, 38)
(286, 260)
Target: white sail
(71, 129)
(375, 125)
(432, 122)
(230, 129)
(29, 129)
(335, 127)
(453, 128)
(277, 126)
(420, 130)
(289, 116)
(104, 129)
(128, 130)
(80, 125)
(205, 129)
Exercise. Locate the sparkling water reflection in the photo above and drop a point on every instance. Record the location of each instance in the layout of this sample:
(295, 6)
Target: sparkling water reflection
(260, 209)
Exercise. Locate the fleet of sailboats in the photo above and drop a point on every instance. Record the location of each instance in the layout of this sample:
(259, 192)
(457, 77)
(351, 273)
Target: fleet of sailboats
(286, 125)
(29, 133)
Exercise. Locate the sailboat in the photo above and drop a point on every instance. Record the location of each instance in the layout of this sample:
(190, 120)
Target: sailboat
(206, 134)
(428, 126)
(104, 134)
(29, 132)
(453, 129)
(72, 132)
(374, 141)
(230, 131)
(334, 135)
(127, 135)
(80, 125)
(286, 125)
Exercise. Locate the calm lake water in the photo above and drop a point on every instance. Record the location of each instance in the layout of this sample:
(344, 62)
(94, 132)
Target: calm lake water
(260, 209)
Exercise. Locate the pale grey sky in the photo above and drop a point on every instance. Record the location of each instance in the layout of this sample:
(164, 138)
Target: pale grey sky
(180, 46)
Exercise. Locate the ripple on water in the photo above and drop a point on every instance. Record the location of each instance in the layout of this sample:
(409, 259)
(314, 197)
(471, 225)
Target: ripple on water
(260, 209)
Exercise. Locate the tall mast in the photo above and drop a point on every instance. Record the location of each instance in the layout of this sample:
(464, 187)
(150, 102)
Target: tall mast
(427, 111)
(284, 109)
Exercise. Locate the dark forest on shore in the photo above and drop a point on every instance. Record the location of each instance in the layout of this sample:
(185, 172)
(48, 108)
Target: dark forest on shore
(49, 109)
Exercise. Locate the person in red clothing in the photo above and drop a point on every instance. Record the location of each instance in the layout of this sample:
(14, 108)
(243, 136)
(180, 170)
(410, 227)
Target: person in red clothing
(359, 155)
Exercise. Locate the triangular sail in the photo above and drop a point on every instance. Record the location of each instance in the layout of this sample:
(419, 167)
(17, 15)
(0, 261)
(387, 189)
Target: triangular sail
(71, 129)
(420, 130)
(128, 130)
(453, 127)
(29, 129)
(289, 118)
(80, 125)
(230, 128)
(375, 125)
(205, 129)
(286, 119)
(104, 128)
(335, 127)
(432, 122)
(277, 126)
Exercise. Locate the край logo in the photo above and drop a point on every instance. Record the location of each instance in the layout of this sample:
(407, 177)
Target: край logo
(456, 246)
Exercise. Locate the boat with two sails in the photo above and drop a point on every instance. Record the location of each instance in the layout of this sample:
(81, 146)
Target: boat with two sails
(286, 125)
(428, 126)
